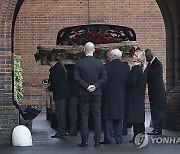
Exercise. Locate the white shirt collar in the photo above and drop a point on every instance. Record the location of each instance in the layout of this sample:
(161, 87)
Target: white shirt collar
(89, 54)
(152, 60)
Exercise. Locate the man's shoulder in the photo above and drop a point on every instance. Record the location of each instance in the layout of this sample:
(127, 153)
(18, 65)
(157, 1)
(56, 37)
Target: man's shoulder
(126, 66)
(136, 68)
(157, 61)
(81, 60)
(57, 65)
(123, 64)
(117, 64)
(87, 59)
(97, 60)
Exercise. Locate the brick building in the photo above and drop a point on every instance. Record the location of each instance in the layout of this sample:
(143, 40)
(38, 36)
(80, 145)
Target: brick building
(26, 24)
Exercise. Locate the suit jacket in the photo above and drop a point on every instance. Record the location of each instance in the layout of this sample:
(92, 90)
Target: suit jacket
(135, 95)
(90, 71)
(113, 100)
(58, 83)
(72, 83)
(156, 89)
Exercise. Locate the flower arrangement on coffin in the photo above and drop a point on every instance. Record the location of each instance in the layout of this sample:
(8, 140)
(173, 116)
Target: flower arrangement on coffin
(72, 47)
(66, 54)
(96, 36)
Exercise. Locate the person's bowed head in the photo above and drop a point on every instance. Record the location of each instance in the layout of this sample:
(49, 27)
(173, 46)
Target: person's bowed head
(138, 58)
(115, 54)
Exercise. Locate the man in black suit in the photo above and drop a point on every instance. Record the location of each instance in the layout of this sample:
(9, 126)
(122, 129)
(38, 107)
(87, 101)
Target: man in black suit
(58, 85)
(90, 73)
(113, 101)
(156, 92)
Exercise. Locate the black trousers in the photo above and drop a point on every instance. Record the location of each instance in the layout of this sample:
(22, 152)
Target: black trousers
(138, 128)
(93, 103)
(60, 110)
(72, 107)
(157, 117)
(111, 126)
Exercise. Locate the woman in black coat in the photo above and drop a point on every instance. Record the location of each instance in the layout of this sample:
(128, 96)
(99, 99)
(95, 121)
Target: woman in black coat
(135, 94)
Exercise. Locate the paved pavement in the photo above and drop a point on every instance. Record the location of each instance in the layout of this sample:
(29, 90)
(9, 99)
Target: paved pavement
(44, 144)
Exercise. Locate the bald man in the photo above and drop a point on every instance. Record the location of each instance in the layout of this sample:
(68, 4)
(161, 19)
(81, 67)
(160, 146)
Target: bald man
(90, 73)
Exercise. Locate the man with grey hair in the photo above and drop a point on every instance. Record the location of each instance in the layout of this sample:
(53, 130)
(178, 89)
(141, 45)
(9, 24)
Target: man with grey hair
(90, 73)
(113, 100)
(116, 54)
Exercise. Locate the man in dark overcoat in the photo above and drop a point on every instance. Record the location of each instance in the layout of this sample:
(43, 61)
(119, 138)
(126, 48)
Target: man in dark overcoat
(113, 102)
(58, 85)
(156, 92)
(90, 73)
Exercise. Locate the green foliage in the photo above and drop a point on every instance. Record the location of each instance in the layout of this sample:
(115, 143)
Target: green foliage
(18, 78)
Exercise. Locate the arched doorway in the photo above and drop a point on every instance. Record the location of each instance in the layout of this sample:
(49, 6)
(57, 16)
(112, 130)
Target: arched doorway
(170, 11)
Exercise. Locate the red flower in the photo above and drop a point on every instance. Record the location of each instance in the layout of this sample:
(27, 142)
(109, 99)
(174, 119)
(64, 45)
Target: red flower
(132, 50)
(149, 65)
(54, 50)
(77, 41)
(84, 41)
(93, 32)
(98, 51)
(62, 50)
(108, 35)
(102, 41)
(70, 55)
(42, 54)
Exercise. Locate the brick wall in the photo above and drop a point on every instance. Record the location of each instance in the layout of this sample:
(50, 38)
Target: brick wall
(8, 120)
(8, 114)
(38, 22)
(173, 112)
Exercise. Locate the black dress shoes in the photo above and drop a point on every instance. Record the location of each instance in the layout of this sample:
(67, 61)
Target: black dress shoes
(97, 144)
(71, 134)
(118, 142)
(104, 142)
(83, 144)
(58, 135)
(155, 133)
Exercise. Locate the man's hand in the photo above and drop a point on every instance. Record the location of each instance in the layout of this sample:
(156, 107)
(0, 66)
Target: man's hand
(91, 88)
